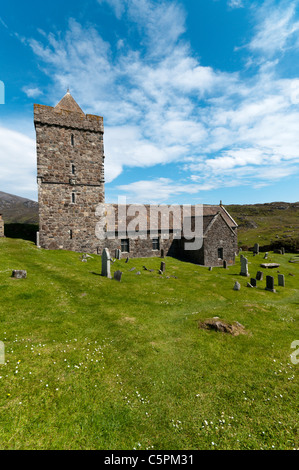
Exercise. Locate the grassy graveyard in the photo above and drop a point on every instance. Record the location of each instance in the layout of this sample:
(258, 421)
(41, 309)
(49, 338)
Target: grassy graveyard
(92, 363)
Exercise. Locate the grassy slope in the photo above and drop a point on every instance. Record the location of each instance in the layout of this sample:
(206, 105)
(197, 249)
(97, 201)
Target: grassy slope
(275, 222)
(96, 364)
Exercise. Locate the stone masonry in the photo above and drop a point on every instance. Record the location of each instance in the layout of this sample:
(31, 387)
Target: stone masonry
(1, 226)
(70, 174)
(71, 188)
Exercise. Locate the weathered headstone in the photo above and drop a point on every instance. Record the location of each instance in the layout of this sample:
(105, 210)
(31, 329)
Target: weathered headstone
(117, 254)
(266, 256)
(19, 274)
(249, 285)
(244, 267)
(106, 263)
(162, 253)
(281, 281)
(259, 276)
(256, 248)
(210, 268)
(37, 240)
(127, 260)
(237, 286)
(253, 282)
(132, 269)
(225, 264)
(270, 284)
(118, 275)
(163, 267)
(283, 250)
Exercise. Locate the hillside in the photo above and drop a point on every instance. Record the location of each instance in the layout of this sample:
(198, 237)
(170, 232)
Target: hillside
(92, 363)
(271, 225)
(16, 209)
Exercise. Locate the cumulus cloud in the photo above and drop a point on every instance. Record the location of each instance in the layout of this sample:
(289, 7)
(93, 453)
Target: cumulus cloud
(17, 163)
(161, 105)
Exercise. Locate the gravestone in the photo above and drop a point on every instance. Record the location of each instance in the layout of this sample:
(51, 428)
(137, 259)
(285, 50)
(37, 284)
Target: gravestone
(19, 274)
(210, 268)
(237, 286)
(163, 267)
(132, 269)
(244, 267)
(283, 250)
(37, 240)
(162, 254)
(266, 256)
(281, 281)
(127, 260)
(225, 264)
(256, 248)
(253, 282)
(106, 263)
(249, 285)
(118, 275)
(117, 254)
(270, 284)
(259, 276)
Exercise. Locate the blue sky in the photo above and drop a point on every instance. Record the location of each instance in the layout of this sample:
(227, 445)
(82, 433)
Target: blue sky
(199, 97)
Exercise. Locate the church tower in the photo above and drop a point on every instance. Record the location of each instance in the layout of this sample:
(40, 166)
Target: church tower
(70, 175)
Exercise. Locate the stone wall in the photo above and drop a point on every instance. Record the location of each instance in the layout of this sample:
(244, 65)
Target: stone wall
(220, 235)
(70, 173)
(1, 226)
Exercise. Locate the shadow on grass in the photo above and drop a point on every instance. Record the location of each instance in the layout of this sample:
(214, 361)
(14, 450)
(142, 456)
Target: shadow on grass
(22, 231)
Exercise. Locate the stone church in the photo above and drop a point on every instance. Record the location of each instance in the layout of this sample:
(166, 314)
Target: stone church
(71, 189)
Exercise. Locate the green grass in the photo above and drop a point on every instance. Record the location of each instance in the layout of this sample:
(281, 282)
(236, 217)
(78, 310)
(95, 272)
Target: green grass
(96, 364)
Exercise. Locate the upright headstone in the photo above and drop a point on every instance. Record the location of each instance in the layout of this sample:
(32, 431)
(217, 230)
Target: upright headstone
(162, 253)
(118, 275)
(225, 264)
(266, 255)
(210, 268)
(117, 254)
(281, 281)
(283, 250)
(127, 260)
(37, 240)
(163, 267)
(106, 263)
(270, 284)
(256, 248)
(244, 267)
(259, 276)
(253, 282)
(237, 286)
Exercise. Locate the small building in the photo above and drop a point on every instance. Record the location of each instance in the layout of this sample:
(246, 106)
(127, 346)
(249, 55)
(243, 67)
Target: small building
(73, 214)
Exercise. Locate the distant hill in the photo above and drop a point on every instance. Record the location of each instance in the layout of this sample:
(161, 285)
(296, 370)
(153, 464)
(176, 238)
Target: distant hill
(16, 209)
(271, 225)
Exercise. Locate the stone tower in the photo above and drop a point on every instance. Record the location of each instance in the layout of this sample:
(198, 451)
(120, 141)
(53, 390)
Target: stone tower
(70, 175)
(1, 226)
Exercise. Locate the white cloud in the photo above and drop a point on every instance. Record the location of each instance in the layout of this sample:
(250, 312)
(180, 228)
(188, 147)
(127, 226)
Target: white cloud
(161, 105)
(17, 163)
(235, 3)
(32, 92)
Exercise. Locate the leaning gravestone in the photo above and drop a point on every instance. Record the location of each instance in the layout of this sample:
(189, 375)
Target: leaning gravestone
(117, 254)
(281, 280)
(237, 286)
(270, 284)
(118, 275)
(106, 263)
(19, 274)
(256, 248)
(259, 276)
(244, 267)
